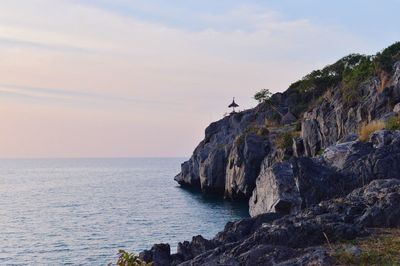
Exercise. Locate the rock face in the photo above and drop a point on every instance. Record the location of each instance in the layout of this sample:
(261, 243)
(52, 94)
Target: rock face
(227, 161)
(303, 188)
(301, 182)
(334, 118)
(270, 239)
(276, 190)
(244, 165)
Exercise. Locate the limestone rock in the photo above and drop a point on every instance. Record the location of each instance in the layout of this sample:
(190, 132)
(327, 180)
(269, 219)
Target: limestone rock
(276, 191)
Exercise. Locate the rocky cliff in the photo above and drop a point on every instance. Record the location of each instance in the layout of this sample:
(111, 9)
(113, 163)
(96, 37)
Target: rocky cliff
(331, 104)
(307, 180)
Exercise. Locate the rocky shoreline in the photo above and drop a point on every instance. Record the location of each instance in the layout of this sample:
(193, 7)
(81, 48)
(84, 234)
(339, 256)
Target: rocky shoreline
(309, 182)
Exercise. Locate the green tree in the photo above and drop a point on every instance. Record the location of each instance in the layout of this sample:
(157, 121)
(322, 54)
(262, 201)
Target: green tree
(263, 96)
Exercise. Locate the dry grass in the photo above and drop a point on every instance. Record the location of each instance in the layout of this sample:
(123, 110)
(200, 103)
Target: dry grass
(368, 128)
(381, 248)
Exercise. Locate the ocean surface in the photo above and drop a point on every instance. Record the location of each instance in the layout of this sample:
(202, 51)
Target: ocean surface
(81, 211)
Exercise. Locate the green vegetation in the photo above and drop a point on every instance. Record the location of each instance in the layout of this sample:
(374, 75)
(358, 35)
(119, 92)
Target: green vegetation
(384, 60)
(276, 117)
(263, 95)
(258, 130)
(347, 74)
(382, 248)
(393, 123)
(129, 259)
(353, 77)
(284, 141)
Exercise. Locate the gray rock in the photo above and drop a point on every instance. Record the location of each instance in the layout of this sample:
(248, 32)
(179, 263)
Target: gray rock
(333, 119)
(396, 108)
(295, 239)
(289, 186)
(276, 191)
(244, 165)
(382, 138)
(160, 255)
(227, 161)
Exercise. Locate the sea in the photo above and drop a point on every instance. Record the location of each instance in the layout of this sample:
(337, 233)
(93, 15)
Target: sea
(82, 211)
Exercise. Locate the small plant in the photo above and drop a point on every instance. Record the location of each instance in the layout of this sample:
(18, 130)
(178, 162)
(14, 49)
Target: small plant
(368, 128)
(284, 141)
(258, 130)
(129, 259)
(393, 123)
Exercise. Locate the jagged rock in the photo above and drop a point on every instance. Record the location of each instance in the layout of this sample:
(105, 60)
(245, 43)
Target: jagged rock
(298, 147)
(235, 231)
(244, 165)
(287, 187)
(160, 255)
(333, 118)
(383, 137)
(396, 108)
(348, 138)
(188, 250)
(276, 190)
(295, 239)
(229, 139)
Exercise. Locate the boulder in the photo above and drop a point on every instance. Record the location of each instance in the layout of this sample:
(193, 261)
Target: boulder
(159, 255)
(289, 186)
(334, 118)
(276, 190)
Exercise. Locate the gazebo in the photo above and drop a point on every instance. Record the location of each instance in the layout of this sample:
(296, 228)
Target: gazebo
(233, 105)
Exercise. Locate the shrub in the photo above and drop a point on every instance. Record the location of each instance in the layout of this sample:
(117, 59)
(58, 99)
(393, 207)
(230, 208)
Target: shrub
(368, 128)
(284, 141)
(129, 259)
(258, 130)
(354, 76)
(384, 61)
(263, 95)
(393, 123)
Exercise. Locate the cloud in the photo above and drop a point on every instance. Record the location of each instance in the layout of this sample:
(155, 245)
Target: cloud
(62, 95)
(159, 82)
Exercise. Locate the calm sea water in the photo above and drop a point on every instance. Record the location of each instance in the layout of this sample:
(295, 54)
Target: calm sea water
(81, 211)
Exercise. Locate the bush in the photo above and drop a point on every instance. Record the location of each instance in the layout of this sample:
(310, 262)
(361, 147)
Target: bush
(384, 61)
(284, 141)
(393, 123)
(129, 259)
(353, 77)
(368, 128)
(263, 96)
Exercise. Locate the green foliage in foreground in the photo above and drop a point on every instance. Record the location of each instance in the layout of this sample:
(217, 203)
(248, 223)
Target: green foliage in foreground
(129, 259)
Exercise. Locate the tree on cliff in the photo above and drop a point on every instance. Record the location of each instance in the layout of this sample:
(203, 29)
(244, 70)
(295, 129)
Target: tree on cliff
(263, 95)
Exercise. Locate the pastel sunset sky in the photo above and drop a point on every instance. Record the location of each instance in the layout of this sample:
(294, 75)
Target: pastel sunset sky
(126, 78)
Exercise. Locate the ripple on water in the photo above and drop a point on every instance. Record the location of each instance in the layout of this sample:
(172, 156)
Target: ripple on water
(80, 212)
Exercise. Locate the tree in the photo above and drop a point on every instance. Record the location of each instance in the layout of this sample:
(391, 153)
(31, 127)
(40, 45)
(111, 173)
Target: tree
(263, 95)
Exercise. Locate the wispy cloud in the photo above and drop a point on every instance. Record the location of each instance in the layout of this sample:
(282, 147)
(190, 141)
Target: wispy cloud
(16, 91)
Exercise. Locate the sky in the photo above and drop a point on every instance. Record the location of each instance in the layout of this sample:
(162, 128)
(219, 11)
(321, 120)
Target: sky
(127, 78)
